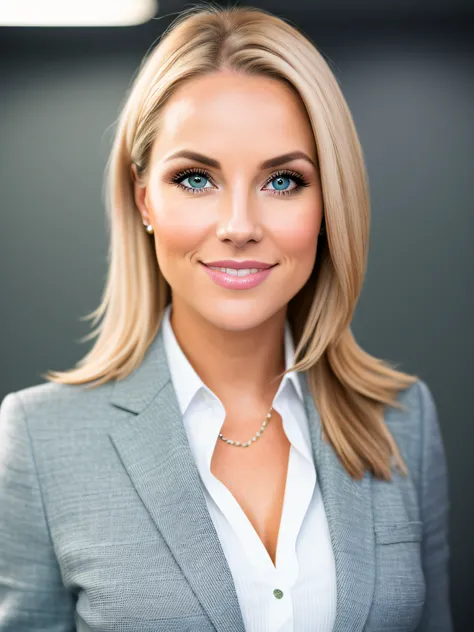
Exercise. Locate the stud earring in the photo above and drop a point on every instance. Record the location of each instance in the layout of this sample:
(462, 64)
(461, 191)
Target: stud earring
(148, 228)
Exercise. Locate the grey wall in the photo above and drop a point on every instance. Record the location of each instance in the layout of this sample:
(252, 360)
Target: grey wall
(408, 77)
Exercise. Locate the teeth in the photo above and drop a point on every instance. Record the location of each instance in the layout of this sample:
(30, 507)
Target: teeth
(234, 272)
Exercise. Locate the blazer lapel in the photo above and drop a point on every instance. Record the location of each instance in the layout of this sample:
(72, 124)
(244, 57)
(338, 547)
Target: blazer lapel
(348, 506)
(154, 449)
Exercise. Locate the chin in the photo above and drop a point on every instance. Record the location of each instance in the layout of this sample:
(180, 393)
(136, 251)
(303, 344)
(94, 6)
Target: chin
(238, 315)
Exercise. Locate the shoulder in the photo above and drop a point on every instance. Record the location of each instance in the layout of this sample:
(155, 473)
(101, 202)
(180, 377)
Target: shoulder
(49, 407)
(52, 433)
(48, 397)
(416, 421)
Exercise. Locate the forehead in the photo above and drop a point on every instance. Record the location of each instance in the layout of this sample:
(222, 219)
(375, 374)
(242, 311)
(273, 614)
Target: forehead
(233, 109)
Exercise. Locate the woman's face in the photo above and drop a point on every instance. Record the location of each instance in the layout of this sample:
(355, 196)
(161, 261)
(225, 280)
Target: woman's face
(227, 204)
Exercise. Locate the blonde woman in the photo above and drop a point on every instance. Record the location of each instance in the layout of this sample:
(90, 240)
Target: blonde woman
(226, 457)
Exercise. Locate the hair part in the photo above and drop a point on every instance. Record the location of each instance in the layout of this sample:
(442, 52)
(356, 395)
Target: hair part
(349, 386)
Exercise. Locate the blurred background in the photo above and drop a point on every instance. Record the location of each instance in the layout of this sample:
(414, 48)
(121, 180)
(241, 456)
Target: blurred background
(406, 69)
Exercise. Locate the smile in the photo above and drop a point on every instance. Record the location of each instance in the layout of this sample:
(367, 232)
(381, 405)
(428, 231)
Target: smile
(237, 279)
(235, 272)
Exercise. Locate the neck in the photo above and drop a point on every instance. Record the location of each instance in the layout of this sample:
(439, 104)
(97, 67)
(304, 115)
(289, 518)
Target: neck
(238, 366)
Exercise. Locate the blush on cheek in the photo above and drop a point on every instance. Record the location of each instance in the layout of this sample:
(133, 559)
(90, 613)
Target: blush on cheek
(299, 221)
(176, 234)
(299, 239)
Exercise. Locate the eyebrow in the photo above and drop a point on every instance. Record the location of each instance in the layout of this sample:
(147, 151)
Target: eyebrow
(266, 164)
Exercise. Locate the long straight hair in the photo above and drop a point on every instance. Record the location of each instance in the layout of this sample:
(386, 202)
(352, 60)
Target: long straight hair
(349, 386)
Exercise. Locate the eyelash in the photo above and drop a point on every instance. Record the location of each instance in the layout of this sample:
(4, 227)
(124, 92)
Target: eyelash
(297, 177)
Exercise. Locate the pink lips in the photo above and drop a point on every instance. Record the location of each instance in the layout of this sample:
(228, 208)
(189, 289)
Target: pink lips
(233, 282)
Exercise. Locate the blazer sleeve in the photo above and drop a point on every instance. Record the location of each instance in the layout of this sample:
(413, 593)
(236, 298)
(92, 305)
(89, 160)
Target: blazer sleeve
(32, 594)
(434, 506)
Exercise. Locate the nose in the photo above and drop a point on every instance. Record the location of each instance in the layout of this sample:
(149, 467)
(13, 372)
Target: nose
(239, 224)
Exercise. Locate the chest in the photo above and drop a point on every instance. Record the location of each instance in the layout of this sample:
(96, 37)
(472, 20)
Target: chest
(256, 476)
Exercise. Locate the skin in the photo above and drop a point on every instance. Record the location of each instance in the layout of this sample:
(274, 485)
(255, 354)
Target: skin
(234, 338)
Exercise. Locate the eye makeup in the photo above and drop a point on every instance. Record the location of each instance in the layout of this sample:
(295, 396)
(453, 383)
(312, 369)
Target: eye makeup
(298, 178)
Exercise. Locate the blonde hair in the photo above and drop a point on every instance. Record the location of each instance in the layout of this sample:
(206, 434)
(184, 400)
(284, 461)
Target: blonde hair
(350, 387)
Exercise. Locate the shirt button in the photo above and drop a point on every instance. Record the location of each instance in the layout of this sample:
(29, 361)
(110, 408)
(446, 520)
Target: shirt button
(278, 593)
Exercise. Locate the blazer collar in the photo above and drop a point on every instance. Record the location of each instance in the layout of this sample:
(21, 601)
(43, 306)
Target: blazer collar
(155, 451)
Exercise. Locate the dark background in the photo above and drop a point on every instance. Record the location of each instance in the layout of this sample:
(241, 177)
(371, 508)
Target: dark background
(407, 72)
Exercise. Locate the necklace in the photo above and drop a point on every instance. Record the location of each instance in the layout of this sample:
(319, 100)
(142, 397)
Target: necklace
(253, 439)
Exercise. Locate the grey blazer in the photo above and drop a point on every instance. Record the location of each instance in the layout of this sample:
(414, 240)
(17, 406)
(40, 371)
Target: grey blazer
(104, 525)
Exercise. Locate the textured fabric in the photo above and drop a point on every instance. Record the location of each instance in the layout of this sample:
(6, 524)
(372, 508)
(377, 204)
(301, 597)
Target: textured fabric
(104, 524)
(305, 570)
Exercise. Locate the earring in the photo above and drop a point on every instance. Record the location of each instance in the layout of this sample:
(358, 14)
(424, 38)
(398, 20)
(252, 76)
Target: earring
(148, 228)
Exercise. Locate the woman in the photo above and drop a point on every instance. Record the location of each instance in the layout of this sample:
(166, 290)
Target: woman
(226, 457)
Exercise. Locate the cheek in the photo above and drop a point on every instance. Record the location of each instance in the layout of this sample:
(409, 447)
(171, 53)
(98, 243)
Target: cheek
(297, 234)
(178, 231)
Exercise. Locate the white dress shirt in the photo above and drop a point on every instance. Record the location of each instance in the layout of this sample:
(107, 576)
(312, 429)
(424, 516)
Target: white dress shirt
(304, 579)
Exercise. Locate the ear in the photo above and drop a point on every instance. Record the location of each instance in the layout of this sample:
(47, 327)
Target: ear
(139, 194)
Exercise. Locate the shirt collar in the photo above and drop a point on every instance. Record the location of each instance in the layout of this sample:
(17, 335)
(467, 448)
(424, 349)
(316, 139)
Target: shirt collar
(187, 382)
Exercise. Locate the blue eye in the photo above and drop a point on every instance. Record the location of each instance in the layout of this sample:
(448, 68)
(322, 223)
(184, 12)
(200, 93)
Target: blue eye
(281, 181)
(197, 180)
(196, 177)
